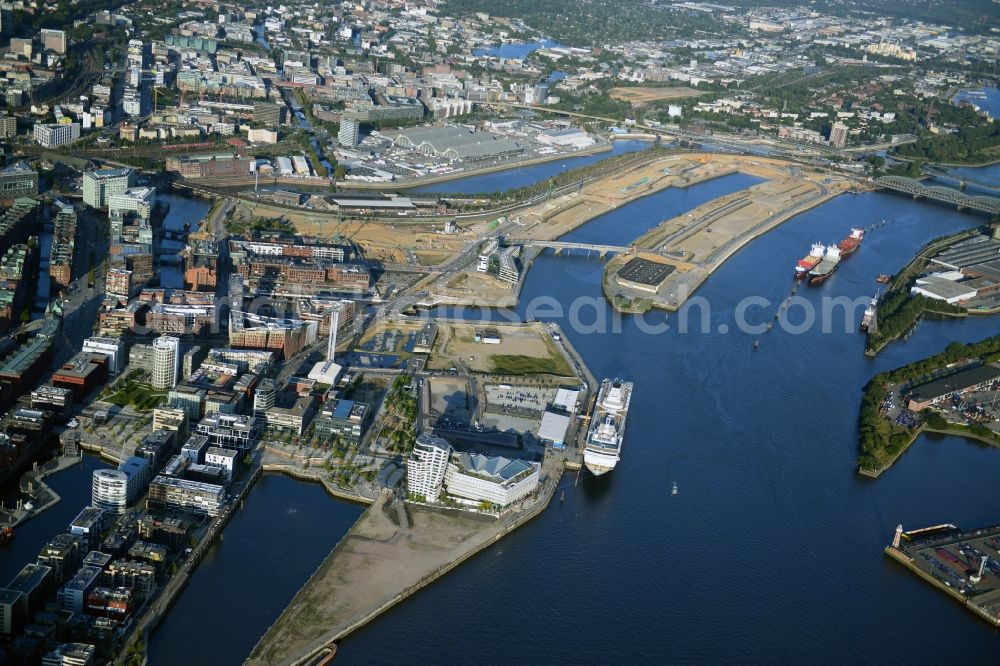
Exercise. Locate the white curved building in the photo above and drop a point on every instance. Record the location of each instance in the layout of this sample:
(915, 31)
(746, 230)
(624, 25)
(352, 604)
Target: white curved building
(109, 490)
(166, 362)
(426, 467)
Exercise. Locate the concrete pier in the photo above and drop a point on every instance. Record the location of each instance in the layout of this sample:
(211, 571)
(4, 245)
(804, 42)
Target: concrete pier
(389, 554)
(952, 561)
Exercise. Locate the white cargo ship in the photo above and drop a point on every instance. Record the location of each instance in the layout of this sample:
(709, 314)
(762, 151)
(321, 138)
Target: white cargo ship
(607, 426)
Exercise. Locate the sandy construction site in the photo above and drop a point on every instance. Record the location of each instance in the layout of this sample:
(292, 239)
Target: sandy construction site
(522, 349)
(642, 95)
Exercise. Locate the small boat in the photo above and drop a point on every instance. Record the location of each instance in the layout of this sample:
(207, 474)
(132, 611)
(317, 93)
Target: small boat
(756, 344)
(6, 536)
(674, 490)
(883, 278)
(562, 496)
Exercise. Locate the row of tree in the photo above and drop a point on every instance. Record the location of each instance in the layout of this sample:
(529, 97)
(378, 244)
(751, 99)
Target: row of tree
(879, 439)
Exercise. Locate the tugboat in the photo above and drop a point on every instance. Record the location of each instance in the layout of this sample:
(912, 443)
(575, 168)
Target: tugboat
(6, 536)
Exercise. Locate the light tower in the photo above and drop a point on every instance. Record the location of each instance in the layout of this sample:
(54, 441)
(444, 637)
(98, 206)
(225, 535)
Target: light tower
(978, 576)
(899, 534)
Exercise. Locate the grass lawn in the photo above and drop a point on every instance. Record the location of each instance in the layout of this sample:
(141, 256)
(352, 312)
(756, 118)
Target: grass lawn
(509, 364)
(140, 396)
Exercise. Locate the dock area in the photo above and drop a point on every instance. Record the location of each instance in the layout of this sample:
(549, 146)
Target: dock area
(681, 253)
(33, 484)
(393, 550)
(963, 564)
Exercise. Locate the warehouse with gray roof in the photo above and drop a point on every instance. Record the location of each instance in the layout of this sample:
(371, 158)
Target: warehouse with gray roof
(457, 144)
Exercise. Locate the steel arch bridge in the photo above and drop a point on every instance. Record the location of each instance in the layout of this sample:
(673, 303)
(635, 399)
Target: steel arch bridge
(984, 203)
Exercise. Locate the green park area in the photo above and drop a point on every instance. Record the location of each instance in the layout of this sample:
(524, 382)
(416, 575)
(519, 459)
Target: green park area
(135, 392)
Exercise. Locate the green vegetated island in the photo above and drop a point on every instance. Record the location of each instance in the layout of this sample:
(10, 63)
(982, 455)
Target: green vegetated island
(899, 309)
(888, 425)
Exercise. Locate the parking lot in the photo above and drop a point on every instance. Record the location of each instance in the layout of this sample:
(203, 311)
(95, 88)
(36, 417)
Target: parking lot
(518, 400)
(954, 560)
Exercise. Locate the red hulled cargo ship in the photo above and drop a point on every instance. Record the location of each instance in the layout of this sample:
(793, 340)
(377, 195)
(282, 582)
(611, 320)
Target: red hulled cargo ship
(808, 262)
(852, 242)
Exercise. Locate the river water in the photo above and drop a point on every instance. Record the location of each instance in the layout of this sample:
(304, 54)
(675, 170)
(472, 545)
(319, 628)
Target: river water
(773, 546)
(515, 50)
(182, 210)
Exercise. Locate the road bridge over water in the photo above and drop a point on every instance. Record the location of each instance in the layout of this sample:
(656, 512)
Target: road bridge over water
(560, 246)
(981, 202)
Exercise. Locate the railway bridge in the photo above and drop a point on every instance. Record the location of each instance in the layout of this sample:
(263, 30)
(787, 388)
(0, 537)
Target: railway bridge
(981, 202)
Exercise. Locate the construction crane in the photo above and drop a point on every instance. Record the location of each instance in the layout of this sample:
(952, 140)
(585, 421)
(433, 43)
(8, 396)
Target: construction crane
(156, 95)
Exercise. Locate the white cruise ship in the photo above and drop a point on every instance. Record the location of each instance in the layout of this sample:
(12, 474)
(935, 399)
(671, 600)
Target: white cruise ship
(607, 426)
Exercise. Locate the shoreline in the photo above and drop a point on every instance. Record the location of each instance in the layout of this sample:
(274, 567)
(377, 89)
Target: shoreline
(302, 475)
(924, 428)
(489, 532)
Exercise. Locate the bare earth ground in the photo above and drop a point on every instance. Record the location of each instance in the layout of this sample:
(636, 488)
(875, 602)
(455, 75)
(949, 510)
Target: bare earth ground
(451, 397)
(373, 563)
(700, 240)
(456, 344)
(402, 328)
(642, 95)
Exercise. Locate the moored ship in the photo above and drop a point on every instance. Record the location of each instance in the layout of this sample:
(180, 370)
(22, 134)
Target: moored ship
(808, 262)
(607, 427)
(827, 265)
(868, 320)
(852, 242)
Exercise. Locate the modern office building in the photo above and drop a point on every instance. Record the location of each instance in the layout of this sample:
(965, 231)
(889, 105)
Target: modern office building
(342, 418)
(49, 135)
(8, 126)
(88, 526)
(18, 180)
(494, 479)
(264, 397)
(350, 132)
(113, 348)
(71, 654)
(100, 185)
(838, 135)
(224, 458)
(233, 431)
(166, 362)
(62, 555)
(81, 374)
(34, 582)
(73, 595)
(56, 399)
(109, 490)
(137, 201)
(11, 616)
(183, 495)
(53, 40)
(291, 412)
(267, 114)
(426, 467)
